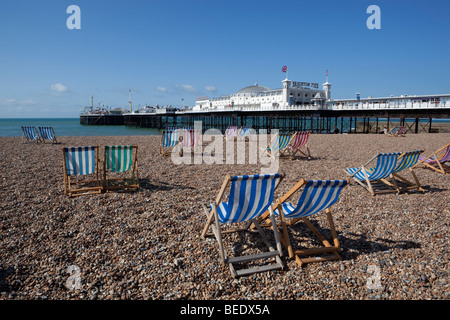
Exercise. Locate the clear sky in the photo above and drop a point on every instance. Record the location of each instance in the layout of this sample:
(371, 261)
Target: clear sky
(172, 51)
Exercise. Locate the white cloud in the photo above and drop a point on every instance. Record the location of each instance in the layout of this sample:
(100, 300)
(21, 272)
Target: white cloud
(186, 88)
(58, 87)
(14, 102)
(210, 88)
(161, 89)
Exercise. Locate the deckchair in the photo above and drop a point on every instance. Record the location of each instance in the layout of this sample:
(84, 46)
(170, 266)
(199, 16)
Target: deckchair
(47, 133)
(437, 159)
(317, 196)
(393, 131)
(244, 132)
(249, 197)
(120, 168)
(366, 176)
(81, 163)
(190, 140)
(231, 132)
(406, 161)
(30, 134)
(169, 140)
(298, 142)
(279, 145)
(401, 132)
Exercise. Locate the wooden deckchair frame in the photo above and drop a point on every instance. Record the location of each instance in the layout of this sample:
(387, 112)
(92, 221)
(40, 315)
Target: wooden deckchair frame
(282, 153)
(331, 249)
(437, 165)
(53, 134)
(128, 183)
(84, 190)
(293, 151)
(410, 185)
(167, 151)
(28, 140)
(214, 224)
(369, 184)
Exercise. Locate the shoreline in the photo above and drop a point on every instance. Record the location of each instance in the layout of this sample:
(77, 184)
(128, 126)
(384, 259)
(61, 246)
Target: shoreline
(147, 244)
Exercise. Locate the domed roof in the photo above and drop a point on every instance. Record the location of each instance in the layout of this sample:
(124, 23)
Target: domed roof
(252, 90)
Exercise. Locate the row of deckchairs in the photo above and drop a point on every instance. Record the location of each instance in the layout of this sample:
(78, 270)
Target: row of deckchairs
(389, 168)
(245, 203)
(251, 205)
(289, 144)
(30, 134)
(82, 175)
(234, 132)
(172, 137)
(397, 131)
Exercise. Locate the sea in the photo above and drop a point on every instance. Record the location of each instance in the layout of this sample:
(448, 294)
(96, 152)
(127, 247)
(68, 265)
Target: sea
(70, 127)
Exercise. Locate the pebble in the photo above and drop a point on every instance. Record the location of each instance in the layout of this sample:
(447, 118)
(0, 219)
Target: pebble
(147, 244)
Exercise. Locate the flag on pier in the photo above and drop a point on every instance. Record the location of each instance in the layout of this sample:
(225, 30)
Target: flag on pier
(284, 69)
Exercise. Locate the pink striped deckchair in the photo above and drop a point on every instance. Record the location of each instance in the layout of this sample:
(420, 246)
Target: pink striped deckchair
(436, 160)
(190, 140)
(298, 141)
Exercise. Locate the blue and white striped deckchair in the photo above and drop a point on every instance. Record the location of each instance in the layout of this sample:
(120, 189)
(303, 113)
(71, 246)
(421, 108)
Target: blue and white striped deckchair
(249, 197)
(279, 144)
(30, 134)
(119, 160)
(81, 161)
(317, 196)
(169, 139)
(364, 175)
(47, 133)
(407, 161)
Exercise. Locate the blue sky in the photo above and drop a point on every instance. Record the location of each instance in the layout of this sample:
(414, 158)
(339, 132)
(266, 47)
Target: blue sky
(170, 51)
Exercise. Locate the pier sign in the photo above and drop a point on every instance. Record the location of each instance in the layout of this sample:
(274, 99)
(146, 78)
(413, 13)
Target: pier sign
(305, 84)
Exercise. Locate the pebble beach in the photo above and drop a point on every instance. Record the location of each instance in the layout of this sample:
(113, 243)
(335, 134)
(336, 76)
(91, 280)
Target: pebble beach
(147, 245)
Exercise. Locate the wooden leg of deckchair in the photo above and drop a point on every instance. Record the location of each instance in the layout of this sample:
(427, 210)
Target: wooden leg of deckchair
(210, 217)
(369, 185)
(333, 249)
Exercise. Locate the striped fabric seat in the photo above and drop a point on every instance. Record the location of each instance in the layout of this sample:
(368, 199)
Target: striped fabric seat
(298, 142)
(250, 196)
(408, 160)
(169, 138)
(118, 158)
(433, 159)
(386, 163)
(300, 139)
(47, 133)
(30, 134)
(231, 132)
(190, 137)
(80, 160)
(81, 163)
(280, 142)
(436, 161)
(317, 196)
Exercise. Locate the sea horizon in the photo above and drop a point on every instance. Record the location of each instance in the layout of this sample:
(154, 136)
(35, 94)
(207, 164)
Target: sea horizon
(11, 127)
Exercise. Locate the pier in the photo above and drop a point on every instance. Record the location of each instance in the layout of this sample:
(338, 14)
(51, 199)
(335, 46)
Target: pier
(369, 115)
